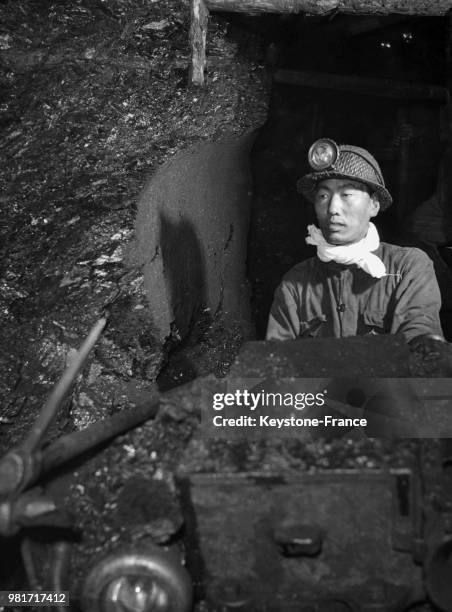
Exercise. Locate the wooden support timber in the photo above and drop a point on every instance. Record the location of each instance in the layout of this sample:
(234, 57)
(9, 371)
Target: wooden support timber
(345, 27)
(322, 7)
(200, 14)
(198, 32)
(403, 166)
(447, 117)
(384, 88)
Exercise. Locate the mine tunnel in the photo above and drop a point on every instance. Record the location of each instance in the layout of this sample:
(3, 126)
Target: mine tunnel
(171, 208)
(378, 82)
(319, 89)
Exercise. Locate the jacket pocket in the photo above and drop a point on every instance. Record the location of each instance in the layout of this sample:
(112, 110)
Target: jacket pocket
(311, 329)
(374, 322)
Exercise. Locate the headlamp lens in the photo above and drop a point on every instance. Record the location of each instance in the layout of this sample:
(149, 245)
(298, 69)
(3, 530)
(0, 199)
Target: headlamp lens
(322, 154)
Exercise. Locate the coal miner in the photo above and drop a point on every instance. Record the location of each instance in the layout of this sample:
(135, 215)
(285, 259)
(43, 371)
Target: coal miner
(355, 285)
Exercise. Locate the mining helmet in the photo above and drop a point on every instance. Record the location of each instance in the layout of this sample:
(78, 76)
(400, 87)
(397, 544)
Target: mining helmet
(329, 160)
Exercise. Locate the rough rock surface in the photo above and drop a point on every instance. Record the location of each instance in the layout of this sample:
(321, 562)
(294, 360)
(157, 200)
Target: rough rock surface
(95, 104)
(95, 100)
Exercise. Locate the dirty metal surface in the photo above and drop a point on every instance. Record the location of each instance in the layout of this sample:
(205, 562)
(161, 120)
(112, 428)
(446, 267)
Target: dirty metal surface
(385, 356)
(366, 521)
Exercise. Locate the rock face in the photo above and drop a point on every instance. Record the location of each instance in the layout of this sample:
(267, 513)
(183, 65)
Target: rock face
(191, 236)
(124, 191)
(96, 107)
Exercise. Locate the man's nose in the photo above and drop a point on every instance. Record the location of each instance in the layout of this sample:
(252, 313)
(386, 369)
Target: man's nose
(334, 205)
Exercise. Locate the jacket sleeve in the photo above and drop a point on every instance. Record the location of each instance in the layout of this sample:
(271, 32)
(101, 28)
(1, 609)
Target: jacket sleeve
(417, 298)
(283, 322)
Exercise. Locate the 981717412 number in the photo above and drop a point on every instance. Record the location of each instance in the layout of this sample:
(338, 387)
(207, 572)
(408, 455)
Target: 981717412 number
(34, 598)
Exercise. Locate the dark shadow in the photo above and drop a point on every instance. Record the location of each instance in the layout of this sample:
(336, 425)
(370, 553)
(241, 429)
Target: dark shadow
(185, 273)
(278, 218)
(184, 268)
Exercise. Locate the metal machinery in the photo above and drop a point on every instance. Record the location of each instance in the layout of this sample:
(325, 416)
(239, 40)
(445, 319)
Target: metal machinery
(272, 541)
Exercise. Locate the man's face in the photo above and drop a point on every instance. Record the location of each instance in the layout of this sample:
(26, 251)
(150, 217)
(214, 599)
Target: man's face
(344, 209)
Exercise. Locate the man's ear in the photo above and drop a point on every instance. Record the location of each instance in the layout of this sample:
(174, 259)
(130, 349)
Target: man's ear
(374, 205)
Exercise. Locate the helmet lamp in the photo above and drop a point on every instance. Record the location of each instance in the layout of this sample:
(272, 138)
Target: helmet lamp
(323, 154)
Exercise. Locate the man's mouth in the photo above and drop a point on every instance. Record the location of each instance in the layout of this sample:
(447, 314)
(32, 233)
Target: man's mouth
(335, 225)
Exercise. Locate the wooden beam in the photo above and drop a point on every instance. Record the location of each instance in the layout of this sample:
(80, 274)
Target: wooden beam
(322, 7)
(198, 32)
(448, 114)
(200, 16)
(356, 27)
(403, 166)
(343, 26)
(384, 88)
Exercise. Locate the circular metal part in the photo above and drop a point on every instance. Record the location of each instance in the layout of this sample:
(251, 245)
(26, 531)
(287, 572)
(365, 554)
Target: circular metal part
(147, 580)
(438, 576)
(323, 154)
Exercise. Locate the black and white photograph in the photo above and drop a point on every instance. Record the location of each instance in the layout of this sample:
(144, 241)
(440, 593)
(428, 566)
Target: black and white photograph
(226, 305)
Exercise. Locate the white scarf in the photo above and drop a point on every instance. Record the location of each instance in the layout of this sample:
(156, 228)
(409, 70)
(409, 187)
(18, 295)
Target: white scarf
(359, 253)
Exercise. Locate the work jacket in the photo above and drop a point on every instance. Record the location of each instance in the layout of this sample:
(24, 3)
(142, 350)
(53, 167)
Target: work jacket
(322, 299)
